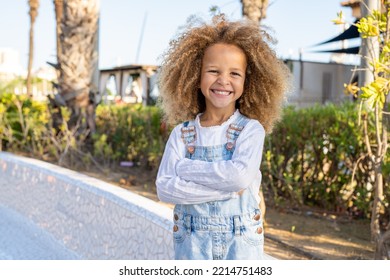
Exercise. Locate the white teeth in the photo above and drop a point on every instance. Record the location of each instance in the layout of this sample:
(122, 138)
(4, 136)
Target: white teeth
(220, 92)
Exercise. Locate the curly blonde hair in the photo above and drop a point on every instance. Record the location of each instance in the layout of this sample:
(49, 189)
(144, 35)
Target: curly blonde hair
(267, 78)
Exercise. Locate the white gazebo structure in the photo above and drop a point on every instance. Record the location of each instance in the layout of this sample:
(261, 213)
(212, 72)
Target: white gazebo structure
(128, 84)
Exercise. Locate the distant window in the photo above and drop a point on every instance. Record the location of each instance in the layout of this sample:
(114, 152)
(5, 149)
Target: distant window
(110, 91)
(133, 91)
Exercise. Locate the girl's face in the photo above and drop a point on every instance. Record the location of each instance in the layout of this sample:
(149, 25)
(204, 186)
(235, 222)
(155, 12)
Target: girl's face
(223, 76)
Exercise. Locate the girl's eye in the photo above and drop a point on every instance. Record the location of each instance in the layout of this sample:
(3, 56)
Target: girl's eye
(236, 74)
(213, 71)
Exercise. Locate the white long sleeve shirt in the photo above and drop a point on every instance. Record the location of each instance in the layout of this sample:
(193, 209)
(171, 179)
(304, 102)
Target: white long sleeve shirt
(186, 181)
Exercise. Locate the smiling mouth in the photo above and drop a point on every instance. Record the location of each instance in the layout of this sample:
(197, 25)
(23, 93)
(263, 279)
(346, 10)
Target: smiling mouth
(221, 92)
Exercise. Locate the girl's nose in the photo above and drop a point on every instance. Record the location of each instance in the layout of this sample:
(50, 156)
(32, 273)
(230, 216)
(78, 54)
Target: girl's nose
(223, 80)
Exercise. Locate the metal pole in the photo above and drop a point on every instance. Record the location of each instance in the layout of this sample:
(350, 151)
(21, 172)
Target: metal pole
(369, 46)
(141, 37)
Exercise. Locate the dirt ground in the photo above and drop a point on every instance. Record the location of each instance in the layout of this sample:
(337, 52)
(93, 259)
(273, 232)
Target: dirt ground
(289, 234)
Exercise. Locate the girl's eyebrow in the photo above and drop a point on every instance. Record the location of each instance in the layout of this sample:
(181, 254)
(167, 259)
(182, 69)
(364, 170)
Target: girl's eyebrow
(216, 66)
(237, 69)
(210, 65)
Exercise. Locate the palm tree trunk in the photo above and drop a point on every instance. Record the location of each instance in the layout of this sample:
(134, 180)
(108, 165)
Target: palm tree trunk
(54, 103)
(78, 60)
(33, 12)
(58, 9)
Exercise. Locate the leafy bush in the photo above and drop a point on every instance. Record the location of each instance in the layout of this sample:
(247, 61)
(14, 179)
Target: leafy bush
(23, 124)
(310, 157)
(128, 133)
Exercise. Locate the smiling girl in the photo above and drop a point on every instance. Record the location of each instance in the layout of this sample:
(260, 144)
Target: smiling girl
(224, 85)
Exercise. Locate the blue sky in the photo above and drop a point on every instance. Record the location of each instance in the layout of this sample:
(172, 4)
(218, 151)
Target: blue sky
(296, 23)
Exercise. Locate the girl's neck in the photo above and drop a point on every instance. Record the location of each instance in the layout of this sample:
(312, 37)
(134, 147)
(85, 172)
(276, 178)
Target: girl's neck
(214, 118)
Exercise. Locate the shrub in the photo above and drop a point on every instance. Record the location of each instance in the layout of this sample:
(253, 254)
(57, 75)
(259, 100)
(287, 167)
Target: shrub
(310, 157)
(128, 133)
(23, 124)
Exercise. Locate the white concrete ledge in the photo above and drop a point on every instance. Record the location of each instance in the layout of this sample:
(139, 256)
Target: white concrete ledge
(49, 212)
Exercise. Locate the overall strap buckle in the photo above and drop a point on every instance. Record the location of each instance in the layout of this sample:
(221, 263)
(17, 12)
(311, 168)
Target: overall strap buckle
(188, 135)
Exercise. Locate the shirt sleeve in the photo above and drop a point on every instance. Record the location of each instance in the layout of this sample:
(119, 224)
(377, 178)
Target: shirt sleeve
(231, 175)
(171, 188)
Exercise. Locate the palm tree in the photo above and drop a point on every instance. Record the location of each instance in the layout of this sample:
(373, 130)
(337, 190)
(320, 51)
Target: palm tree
(255, 10)
(78, 59)
(58, 9)
(33, 12)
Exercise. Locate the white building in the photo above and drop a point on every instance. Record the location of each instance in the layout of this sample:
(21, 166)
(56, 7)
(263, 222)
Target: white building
(11, 69)
(46, 74)
(129, 84)
(319, 83)
(10, 66)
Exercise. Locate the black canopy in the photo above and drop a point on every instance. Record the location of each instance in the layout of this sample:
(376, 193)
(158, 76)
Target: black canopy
(350, 33)
(351, 50)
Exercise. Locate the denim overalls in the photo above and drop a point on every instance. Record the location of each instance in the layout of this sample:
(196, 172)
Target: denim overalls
(219, 230)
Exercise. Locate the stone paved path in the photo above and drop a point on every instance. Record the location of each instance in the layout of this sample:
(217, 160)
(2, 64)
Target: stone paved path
(20, 239)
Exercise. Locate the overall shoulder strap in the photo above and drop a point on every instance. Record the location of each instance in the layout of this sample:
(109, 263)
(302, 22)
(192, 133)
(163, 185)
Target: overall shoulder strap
(242, 121)
(234, 131)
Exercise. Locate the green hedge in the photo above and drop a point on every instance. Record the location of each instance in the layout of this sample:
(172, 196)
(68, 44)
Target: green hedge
(23, 124)
(129, 133)
(308, 159)
(124, 133)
